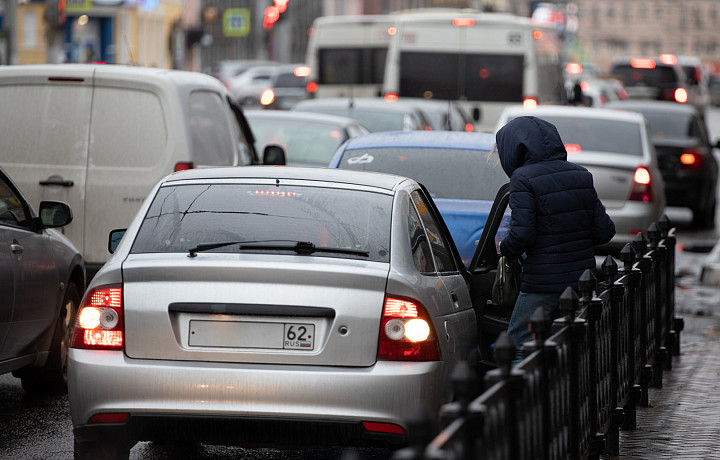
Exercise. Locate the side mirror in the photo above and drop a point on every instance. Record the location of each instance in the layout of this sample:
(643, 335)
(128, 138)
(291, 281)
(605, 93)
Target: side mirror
(55, 214)
(115, 237)
(274, 155)
(476, 114)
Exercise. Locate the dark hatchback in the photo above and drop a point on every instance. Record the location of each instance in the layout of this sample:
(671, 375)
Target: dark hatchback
(685, 155)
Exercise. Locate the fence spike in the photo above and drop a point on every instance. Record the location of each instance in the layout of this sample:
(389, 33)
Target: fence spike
(569, 302)
(540, 325)
(587, 284)
(653, 233)
(627, 256)
(639, 244)
(609, 269)
(664, 224)
(505, 349)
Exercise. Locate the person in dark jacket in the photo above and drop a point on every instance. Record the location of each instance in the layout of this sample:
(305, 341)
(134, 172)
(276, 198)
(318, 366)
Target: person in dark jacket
(556, 218)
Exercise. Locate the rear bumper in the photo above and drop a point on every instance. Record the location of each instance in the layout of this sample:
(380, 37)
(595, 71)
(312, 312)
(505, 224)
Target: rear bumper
(632, 218)
(236, 403)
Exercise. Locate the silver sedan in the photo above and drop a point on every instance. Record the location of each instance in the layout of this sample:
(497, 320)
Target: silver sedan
(271, 306)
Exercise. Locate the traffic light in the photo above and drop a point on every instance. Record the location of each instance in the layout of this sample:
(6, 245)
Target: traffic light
(274, 13)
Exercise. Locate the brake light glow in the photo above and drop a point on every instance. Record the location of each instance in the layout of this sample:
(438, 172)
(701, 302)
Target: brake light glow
(691, 159)
(573, 68)
(463, 22)
(392, 30)
(641, 189)
(642, 63)
(276, 193)
(406, 333)
(573, 148)
(184, 165)
(301, 71)
(469, 127)
(584, 86)
(99, 324)
(687, 159)
(391, 97)
(311, 87)
(681, 95)
(530, 103)
(108, 418)
(537, 35)
(668, 59)
(267, 97)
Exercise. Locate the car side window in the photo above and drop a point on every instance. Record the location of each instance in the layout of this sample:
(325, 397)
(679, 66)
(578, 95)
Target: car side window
(439, 246)
(12, 211)
(210, 130)
(419, 244)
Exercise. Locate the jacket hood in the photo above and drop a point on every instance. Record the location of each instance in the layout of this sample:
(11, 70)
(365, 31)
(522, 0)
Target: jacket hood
(526, 140)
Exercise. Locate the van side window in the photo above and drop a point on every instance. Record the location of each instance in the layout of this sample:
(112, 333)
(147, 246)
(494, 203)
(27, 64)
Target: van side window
(211, 131)
(129, 128)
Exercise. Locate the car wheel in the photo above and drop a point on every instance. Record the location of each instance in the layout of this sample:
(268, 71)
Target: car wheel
(52, 377)
(105, 450)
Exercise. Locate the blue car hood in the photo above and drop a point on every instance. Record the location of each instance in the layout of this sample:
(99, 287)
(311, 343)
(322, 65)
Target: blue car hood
(465, 219)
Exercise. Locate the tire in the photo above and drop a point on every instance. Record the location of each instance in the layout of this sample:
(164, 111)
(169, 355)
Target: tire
(52, 378)
(101, 450)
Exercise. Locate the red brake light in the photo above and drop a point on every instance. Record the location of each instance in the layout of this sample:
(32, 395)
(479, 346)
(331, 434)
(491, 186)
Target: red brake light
(530, 103)
(391, 97)
(687, 159)
(406, 333)
(573, 148)
(668, 59)
(537, 35)
(108, 418)
(641, 188)
(463, 22)
(184, 165)
(573, 68)
(301, 71)
(311, 87)
(642, 63)
(383, 427)
(469, 127)
(391, 30)
(691, 159)
(99, 323)
(681, 95)
(267, 97)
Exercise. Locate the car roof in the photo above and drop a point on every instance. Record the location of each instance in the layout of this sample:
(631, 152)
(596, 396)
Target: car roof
(334, 102)
(568, 110)
(665, 106)
(300, 116)
(340, 176)
(420, 139)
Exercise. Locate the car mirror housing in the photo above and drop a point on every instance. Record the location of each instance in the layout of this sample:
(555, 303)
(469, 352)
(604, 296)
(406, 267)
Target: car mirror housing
(274, 155)
(55, 214)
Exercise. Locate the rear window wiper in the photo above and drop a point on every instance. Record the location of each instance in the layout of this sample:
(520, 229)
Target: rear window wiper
(301, 247)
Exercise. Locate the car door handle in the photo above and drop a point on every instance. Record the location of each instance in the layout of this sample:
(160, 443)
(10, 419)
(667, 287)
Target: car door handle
(60, 182)
(17, 248)
(455, 300)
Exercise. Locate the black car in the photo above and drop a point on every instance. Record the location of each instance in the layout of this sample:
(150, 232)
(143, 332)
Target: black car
(652, 78)
(685, 155)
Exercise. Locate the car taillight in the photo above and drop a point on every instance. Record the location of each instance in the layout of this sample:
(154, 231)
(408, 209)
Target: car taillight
(529, 103)
(311, 87)
(99, 323)
(691, 159)
(267, 97)
(406, 333)
(391, 97)
(641, 188)
(184, 165)
(681, 95)
(469, 127)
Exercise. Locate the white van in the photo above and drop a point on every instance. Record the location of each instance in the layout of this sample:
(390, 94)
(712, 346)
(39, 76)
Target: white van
(346, 55)
(99, 137)
(484, 61)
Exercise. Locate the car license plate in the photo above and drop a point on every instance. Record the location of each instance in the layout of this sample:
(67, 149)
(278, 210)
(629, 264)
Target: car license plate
(249, 334)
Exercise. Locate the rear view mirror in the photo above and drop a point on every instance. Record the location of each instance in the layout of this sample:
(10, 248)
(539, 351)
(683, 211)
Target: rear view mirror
(114, 240)
(55, 214)
(274, 155)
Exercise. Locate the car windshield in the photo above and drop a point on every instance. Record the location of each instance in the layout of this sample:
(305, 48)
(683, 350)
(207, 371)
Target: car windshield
(447, 173)
(580, 134)
(181, 217)
(306, 143)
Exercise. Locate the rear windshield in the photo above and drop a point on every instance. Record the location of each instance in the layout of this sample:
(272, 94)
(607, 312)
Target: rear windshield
(372, 119)
(591, 134)
(670, 125)
(183, 216)
(479, 77)
(658, 77)
(447, 173)
(289, 80)
(342, 66)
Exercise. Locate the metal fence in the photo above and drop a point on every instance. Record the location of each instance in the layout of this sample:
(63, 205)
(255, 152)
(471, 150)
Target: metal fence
(581, 378)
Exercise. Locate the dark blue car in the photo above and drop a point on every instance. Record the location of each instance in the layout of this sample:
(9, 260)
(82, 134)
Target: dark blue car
(458, 169)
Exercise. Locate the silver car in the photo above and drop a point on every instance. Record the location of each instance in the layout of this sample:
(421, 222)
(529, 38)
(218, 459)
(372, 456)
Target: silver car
(616, 148)
(42, 277)
(298, 306)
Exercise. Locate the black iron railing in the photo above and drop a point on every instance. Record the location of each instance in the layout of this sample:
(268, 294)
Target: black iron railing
(582, 376)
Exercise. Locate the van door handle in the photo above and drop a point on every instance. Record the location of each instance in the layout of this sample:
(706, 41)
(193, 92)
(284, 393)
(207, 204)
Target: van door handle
(60, 182)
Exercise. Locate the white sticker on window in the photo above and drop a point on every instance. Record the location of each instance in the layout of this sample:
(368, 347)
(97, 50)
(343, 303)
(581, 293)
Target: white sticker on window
(363, 159)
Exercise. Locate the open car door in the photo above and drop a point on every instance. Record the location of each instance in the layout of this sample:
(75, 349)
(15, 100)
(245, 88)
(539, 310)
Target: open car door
(492, 319)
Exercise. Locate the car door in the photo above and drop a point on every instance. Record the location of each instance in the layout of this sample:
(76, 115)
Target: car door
(492, 319)
(32, 270)
(7, 280)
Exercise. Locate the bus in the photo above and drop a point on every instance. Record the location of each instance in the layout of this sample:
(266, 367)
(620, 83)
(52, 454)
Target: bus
(484, 61)
(346, 55)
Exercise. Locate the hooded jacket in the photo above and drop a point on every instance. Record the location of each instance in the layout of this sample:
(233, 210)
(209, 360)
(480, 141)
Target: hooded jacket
(557, 216)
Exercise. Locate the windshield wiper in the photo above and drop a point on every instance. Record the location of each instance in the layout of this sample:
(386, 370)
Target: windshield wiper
(301, 247)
